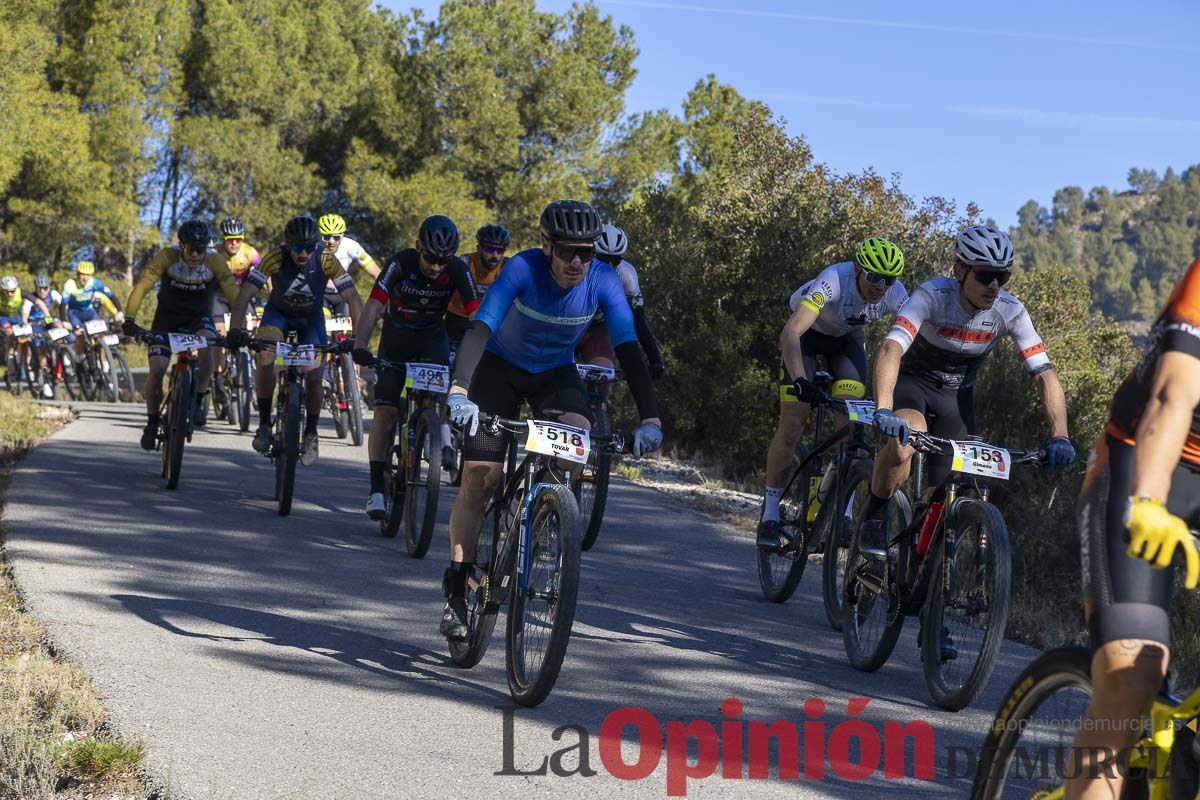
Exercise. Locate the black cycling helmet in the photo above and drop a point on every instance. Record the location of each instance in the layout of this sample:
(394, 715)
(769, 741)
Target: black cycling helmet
(232, 228)
(41, 281)
(301, 230)
(438, 236)
(493, 236)
(195, 233)
(571, 220)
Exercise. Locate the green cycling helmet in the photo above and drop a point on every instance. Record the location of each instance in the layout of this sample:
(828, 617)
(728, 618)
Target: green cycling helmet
(880, 256)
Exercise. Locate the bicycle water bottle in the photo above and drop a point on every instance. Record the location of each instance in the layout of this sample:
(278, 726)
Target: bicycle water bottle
(814, 499)
(932, 517)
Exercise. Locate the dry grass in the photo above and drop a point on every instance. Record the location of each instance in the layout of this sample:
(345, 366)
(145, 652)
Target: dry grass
(53, 742)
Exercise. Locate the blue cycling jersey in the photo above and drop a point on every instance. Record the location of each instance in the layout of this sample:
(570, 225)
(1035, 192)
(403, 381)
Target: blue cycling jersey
(536, 324)
(78, 297)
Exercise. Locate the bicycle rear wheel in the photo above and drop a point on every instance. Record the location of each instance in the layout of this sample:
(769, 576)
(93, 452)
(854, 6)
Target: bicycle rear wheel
(966, 610)
(481, 612)
(288, 446)
(837, 531)
(354, 403)
(424, 477)
(64, 371)
(87, 369)
(592, 486)
(541, 614)
(106, 372)
(233, 410)
(780, 571)
(12, 371)
(178, 421)
(1039, 715)
(871, 617)
(333, 399)
(126, 389)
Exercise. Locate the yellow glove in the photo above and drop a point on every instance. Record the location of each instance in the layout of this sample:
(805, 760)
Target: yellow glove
(1154, 533)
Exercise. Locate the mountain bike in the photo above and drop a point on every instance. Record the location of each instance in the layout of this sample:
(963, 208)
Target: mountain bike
(342, 394)
(289, 411)
(94, 371)
(591, 487)
(62, 360)
(22, 365)
(1027, 752)
(233, 387)
(529, 554)
(413, 476)
(176, 412)
(951, 565)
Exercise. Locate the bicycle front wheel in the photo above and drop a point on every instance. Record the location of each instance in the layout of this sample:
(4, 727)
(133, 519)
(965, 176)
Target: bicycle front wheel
(178, 419)
(836, 526)
(543, 604)
(1039, 715)
(965, 612)
(243, 389)
(871, 618)
(333, 399)
(289, 448)
(106, 371)
(593, 486)
(424, 476)
(65, 373)
(780, 571)
(354, 403)
(126, 389)
(87, 369)
(481, 611)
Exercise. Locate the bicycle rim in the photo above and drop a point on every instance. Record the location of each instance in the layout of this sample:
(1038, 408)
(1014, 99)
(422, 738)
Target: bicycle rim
(424, 483)
(965, 613)
(1027, 750)
(481, 616)
(541, 615)
(856, 487)
(354, 404)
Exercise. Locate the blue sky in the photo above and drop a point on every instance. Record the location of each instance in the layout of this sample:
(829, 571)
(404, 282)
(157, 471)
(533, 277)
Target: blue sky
(996, 103)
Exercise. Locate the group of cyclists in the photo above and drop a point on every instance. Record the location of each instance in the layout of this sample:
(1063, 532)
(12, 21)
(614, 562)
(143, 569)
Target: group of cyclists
(519, 325)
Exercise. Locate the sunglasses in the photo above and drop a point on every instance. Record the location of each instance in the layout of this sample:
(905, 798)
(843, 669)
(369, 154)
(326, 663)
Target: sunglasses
(495, 251)
(877, 279)
(304, 248)
(569, 253)
(234, 238)
(437, 261)
(986, 276)
(334, 238)
(193, 249)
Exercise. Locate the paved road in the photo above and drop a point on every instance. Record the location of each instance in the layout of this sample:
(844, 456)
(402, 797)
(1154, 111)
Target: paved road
(268, 657)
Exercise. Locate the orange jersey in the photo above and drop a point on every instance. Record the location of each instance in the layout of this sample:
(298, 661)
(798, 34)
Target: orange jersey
(1177, 330)
(240, 262)
(483, 279)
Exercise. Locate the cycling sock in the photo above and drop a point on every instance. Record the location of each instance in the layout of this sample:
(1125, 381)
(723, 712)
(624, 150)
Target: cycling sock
(445, 434)
(264, 412)
(376, 475)
(875, 505)
(310, 425)
(771, 504)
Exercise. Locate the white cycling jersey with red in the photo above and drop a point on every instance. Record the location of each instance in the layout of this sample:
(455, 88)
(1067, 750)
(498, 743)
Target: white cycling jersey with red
(944, 342)
(840, 307)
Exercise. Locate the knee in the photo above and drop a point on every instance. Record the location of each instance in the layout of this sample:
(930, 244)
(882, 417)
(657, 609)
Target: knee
(480, 479)
(576, 421)
(791, 426)
(1129, 682)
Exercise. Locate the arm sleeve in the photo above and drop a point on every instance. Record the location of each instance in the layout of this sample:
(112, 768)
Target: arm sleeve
(909, 320)
(638, 377)
(222, 277)
(68, 292)
(107, 303)
(469, 353)
(145, 283)
(618, 316)
(1181, 316)
(363, 258)
(825, 288)
(333, 270)
(267, 266)
(115, 304)
(500, 297)
(1033, 351)
(381, 291)
(645, 335)
(465, 285)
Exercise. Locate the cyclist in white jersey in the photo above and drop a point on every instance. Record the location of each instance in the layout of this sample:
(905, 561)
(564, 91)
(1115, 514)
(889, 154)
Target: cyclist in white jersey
(926, 367)
(829, 314)
(348, 252)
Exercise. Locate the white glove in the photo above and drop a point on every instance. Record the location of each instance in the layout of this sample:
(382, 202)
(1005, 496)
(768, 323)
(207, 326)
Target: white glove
(463, 412)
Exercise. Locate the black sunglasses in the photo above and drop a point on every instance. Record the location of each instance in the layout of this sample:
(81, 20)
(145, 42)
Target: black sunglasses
(335, 237)
(432, 259)
(877, 279)
(304, 248)
(569, 253)
(986, 276)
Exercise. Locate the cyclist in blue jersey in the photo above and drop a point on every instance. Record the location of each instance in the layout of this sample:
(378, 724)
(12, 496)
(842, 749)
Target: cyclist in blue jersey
(521, 347)
(80, 298)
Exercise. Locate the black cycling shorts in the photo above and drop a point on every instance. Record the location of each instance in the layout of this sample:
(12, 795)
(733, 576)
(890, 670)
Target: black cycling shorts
(1129, 599)
(167, 322)
(499, 387)
(425, 346)
(845, 358)
(949, 412)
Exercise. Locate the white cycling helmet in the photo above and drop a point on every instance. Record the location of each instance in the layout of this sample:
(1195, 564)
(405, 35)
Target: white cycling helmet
(8, 283)
(612, 241)
(984, 246)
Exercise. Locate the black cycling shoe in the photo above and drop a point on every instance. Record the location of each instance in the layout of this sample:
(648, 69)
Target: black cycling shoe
(872, 537)
(768, 535)
(150, 436)
(454, 619)
(262, 439)
(200, 413)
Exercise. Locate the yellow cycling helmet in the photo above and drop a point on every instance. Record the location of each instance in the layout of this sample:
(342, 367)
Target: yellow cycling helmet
(85, 268)
(331, 225)
(880, 256)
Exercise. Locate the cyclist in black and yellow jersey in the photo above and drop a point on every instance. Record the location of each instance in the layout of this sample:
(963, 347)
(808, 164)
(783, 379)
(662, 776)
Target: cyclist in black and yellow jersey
(189, 272)
(829, 314)
(1140, 495)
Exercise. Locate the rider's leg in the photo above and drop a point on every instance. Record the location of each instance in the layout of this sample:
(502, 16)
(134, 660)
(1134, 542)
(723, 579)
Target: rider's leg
(892, 464)
(264, 376)
(380, 440)
(314, 393)
(792, 416)
(153, 390)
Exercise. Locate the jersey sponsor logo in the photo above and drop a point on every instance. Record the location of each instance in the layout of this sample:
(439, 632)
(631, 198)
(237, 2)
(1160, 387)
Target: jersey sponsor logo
(815, 300)
(540, 317)
(299, 293)
(965, 336)
(1033, 350)
(906, 326)
(828, 289)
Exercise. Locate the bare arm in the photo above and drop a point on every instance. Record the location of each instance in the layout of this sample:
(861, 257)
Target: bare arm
(1054, 401)
(789, 340)
(1164, 425)
(237, 311)
(355, 302)
(365, 320)
(887, 369)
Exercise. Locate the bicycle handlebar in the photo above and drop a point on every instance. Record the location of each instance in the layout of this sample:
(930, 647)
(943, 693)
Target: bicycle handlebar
(616, 442)
(935, 445)
(154, 337)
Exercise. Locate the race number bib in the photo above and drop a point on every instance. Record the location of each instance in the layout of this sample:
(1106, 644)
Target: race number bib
(428, 378)
(556, 439)
(57, 333)
(303, 355)
(339, 324)
(21, 331)
(181, 342)
(111, 339)
(94, 326)
(861, 411)
(977, 458)
(595, 372)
